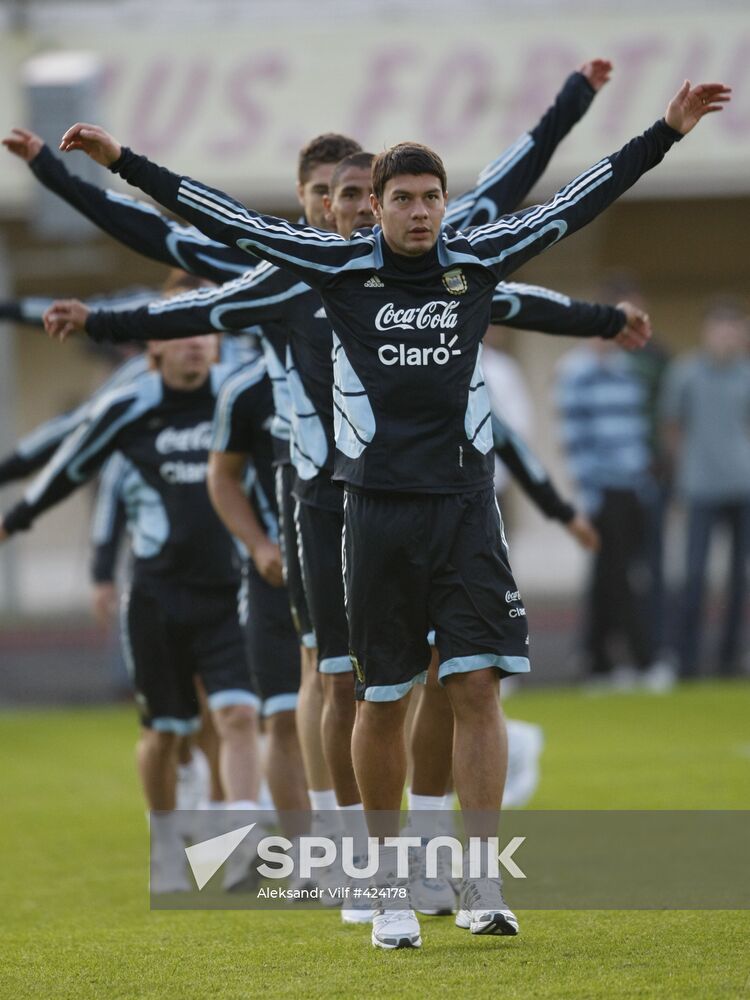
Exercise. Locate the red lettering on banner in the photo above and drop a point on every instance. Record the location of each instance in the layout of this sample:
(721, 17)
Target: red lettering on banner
(457, 96)
(693, 67)
(159, 123)
(623, 107)
(546, 68)
(735, 118)
(245, 86)
(381, 92)
(111, 78)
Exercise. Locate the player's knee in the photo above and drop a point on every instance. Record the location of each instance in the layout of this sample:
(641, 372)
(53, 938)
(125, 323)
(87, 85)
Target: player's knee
(236, 721)
(339, 690)
(382, 716)
(310, 679)
(475, 692)
(282, 725)
(309, 662)
(159, 743)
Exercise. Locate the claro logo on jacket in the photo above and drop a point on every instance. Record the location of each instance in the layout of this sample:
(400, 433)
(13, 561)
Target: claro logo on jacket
(436, 315)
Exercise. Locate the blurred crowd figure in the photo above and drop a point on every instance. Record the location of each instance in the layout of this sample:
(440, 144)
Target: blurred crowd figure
(641, 430)
(706, 415)
(607, 416)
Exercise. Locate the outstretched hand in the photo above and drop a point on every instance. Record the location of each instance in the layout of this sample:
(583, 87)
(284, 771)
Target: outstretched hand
(690, 104)
(23, 143)
(93, 141)
(597, 72)
(64, 317)
(636, 331)
(584, 532)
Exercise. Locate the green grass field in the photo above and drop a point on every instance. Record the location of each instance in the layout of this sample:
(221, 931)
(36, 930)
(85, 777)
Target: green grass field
(73, 883)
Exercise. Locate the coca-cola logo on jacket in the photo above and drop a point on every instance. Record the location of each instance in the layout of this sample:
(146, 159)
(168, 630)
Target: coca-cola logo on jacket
(435, 315)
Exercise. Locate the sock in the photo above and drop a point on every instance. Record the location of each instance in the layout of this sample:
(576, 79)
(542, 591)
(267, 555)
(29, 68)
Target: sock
(353, 822)
(323, 800)
(166, 841)
(434, 802)
(246, 804)
(430, 815)
(264, 796)
(325, 816)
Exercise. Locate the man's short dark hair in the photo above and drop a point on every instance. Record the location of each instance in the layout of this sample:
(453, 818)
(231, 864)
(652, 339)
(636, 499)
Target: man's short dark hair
(406, 158)
(327, 148)
(361, 161)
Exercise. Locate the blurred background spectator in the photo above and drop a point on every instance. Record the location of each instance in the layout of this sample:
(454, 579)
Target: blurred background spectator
(706, 413)
(606, 434)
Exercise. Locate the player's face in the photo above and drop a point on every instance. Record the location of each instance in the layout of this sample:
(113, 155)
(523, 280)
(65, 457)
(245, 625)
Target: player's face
(411, 212)
(348, 206)
(186, 361)
(312, 192)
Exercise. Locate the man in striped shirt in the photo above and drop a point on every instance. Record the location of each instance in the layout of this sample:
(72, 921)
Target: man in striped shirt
(606, 435)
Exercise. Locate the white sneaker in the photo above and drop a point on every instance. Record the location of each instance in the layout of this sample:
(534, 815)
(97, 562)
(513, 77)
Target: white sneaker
(350, 915)
(167, 870)
(525, 745)
(239, 873)
(624, 679)
(167, 877)
(620, 680)
(330, 879)
(356, 914)
(483, 909)
(434, 897)
(396, 929)
(660, 677)
(193, 782)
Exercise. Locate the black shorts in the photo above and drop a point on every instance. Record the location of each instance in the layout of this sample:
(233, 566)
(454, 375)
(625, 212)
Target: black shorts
(272, 644)
(289, 542)
(170, 634)
(320, 534)
(416, 562)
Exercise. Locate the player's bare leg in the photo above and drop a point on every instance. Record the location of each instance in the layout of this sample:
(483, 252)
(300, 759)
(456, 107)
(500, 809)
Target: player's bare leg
(431, 738)
(337, 724)
(379, 755)
(480, 745)
(431, 743)
(284, 771)
(480, 763)
(309, 714)
(237, 729)
(157, 766)
(157, 754)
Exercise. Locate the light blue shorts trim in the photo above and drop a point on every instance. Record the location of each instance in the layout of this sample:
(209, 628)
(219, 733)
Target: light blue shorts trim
(182, 727)
(465, 664)
(225, 699)
(335, 665)
(393, 692)
(309, 640)
(279, 703)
